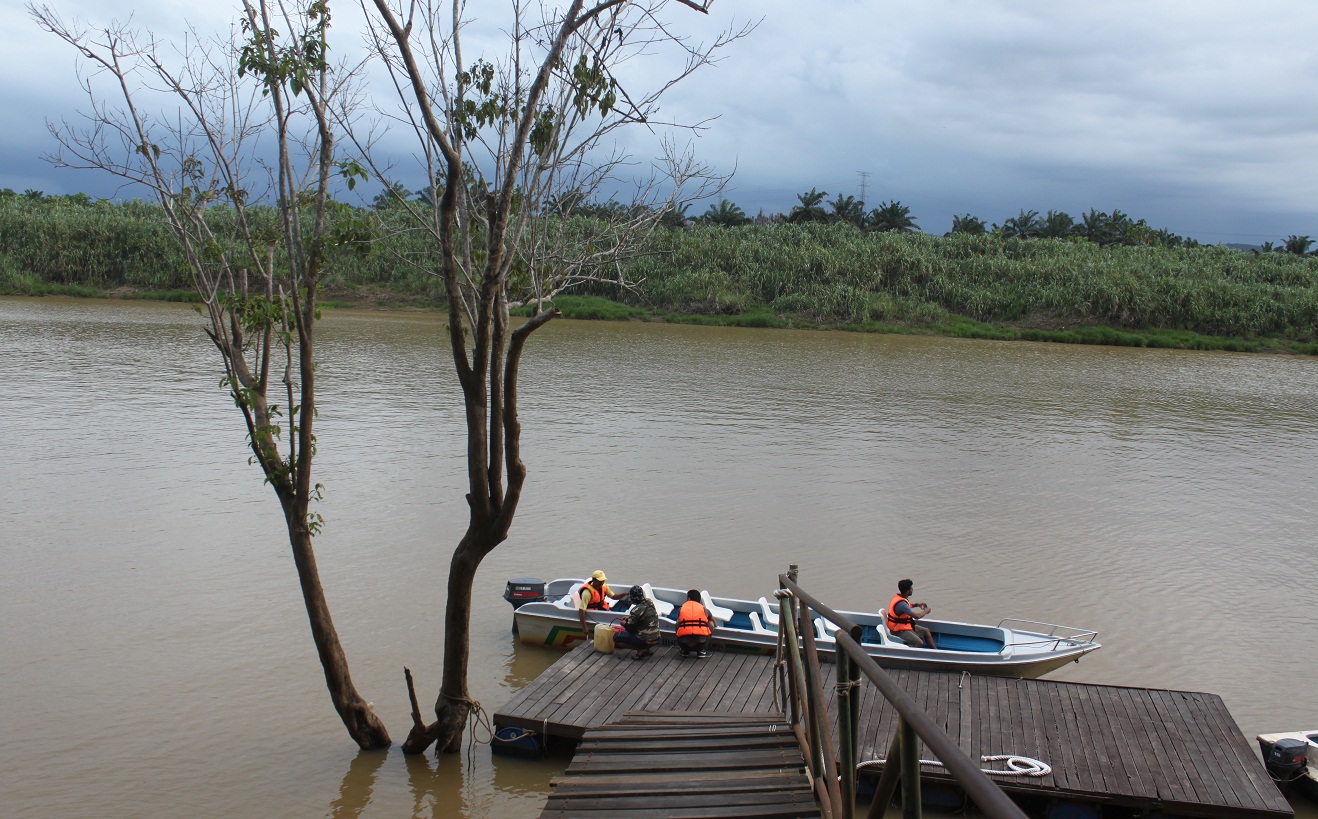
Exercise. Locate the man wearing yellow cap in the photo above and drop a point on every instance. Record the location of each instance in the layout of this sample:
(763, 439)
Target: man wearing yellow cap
(594, 594)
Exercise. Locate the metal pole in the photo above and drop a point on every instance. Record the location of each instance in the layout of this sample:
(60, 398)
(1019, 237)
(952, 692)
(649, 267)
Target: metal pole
(910, 771)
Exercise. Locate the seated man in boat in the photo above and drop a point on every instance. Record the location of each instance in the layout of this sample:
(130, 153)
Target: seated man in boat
(640, 628)
(902, 614)
(694, 625)
(594, 595)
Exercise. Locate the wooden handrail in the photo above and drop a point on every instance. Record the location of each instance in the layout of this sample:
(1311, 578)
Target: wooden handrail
(785, 582)
(983, 791)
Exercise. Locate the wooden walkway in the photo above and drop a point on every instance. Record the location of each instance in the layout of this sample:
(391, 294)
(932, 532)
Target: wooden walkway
(1180, 751)
(679, 765)
(587, 689)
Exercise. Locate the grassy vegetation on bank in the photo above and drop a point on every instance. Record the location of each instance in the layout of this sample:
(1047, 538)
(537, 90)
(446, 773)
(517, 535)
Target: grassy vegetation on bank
(779, 275)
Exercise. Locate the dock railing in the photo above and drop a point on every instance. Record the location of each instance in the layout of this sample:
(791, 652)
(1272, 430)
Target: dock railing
(834, 774)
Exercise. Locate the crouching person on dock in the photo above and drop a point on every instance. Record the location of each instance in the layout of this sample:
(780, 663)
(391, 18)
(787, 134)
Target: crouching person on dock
(694, 625)
(640, 626)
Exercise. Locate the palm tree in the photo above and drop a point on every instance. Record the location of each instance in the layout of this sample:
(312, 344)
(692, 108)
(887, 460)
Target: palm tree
(393, 192)
(1299, 245)
(848, 209)
(1024, 225)
(968, 224)
(891, 217)
(1056, 225)
(724, 214)
(1102, 228)
(810, 209)
(674, 216)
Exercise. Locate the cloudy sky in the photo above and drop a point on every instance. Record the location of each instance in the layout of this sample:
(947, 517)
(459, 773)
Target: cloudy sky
(1200, 116)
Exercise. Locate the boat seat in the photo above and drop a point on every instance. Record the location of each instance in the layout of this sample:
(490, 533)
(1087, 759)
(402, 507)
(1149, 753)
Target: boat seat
(873, 635)
(769, 615)
(719, 613)
(663, 607)
(756, 625)
(742, 620)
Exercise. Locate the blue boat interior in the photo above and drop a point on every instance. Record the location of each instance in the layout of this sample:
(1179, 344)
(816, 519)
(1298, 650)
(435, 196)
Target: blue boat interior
(950, 642)
(963, 642)
(741, 620)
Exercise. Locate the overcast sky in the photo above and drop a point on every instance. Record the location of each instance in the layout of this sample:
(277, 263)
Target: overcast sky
(1200, 116)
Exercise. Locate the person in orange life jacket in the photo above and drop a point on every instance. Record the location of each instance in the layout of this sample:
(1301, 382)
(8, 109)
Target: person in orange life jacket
(640, 626)
(594, 594)
(901, 617)
(694, 625)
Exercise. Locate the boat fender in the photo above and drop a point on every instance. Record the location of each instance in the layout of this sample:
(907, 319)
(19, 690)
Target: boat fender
(518, 742)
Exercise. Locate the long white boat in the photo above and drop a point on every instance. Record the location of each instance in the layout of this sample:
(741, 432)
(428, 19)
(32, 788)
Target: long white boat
(1014, 648)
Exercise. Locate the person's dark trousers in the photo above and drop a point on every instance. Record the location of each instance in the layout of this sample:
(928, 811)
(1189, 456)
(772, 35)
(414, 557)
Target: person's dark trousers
(625, 639)
(698, 643)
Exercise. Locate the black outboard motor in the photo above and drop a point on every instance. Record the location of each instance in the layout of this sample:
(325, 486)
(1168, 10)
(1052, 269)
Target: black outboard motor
(1286, 761)
(523, 590)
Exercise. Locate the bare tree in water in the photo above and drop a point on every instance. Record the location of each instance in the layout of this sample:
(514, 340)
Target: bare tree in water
(184, 124)
(513, 143)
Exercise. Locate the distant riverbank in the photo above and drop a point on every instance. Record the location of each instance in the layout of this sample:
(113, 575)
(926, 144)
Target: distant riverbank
(825, 276)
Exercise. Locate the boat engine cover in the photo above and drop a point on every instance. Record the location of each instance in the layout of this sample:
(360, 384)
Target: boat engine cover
(1287, 755)
(523, 590)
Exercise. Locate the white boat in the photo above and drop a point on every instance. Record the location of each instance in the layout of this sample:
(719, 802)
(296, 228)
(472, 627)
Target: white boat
(1292, 760)
(1015, 648)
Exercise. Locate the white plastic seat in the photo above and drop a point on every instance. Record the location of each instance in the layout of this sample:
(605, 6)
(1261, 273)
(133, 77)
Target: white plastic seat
(717, 612)
(662, 607)
(770, 617)
(756, 625)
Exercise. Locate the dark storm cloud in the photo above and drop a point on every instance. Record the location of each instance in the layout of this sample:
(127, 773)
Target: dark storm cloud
(1198, 116)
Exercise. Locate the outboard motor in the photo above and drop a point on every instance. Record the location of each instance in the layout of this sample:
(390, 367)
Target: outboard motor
(523, 590)
(1286, 760)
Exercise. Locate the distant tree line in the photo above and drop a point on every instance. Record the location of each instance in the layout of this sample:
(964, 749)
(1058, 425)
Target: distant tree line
(813, 206)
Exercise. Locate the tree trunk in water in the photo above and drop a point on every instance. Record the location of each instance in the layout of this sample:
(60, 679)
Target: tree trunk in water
(454, 703)
(363, 725)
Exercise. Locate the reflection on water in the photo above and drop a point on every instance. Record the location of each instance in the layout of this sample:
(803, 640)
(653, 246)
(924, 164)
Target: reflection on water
(358, 785)
(154, 627)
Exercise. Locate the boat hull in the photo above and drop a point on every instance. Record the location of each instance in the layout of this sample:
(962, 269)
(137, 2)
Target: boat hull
(978, 649)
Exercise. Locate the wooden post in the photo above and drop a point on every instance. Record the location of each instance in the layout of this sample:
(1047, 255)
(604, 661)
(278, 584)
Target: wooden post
(815, 678)
(800, 689)
(910, 754)
(846, 737)
(786, 622)
(853, 695)
(892, 774)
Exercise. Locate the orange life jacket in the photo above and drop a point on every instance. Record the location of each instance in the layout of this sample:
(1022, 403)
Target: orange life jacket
(692, 620)
(898, 622)
(599, 600)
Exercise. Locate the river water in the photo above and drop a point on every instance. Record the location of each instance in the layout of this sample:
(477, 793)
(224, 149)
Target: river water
(156, 657)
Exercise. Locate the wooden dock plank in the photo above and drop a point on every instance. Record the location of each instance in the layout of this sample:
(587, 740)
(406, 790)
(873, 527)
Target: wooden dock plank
(1144, 748)
(694, 764)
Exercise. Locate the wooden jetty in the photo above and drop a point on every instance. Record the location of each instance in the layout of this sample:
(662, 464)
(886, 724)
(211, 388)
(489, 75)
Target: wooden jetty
(651, 765)
(1177, 751)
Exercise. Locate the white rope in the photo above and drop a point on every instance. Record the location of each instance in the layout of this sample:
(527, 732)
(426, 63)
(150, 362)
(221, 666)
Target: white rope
(1016, 765)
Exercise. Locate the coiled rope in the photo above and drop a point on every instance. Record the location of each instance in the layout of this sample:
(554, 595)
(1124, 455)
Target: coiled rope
(1016, 765)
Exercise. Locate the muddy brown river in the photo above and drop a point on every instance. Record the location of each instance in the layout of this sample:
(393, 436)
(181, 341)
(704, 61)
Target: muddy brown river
(156, 660)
